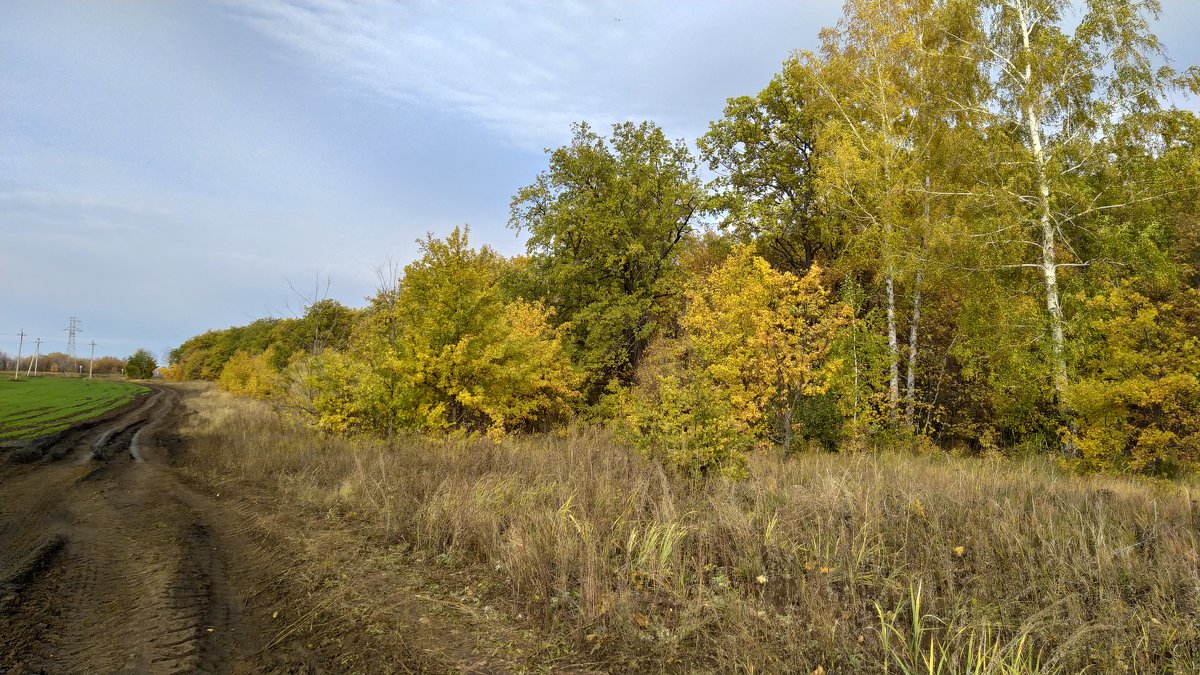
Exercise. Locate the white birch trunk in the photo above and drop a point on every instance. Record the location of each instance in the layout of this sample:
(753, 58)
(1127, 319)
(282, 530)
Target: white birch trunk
(910, 395)
(910, 403)
(893, 349)
(1049, 262)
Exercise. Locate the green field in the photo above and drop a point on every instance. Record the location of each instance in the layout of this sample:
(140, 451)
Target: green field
(31, 408)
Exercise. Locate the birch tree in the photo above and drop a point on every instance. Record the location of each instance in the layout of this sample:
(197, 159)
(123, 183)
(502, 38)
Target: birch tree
(870, 77)
(1052, 96)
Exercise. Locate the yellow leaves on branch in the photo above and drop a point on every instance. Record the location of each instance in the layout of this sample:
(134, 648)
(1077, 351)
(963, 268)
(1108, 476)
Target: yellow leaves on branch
(532, 380)
(249, 375)
(762, 334)
(443, 349)
(1138, 404)
(753, 340)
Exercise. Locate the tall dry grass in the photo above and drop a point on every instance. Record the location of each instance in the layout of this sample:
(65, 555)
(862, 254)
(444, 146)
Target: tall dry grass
(858, 563)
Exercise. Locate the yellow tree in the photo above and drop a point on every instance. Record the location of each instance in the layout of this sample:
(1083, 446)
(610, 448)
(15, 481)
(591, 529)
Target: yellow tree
(250, 375)
(753, 341)
(441, 349)
(763, 336)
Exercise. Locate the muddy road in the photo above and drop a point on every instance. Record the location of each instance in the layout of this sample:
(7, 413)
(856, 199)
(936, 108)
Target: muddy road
(108, 563)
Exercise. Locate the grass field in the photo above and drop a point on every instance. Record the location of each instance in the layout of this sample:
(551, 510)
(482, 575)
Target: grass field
(860, 562)
(31, 408)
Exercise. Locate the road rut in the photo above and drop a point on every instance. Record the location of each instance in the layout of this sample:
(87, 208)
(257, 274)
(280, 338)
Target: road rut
(108, 563)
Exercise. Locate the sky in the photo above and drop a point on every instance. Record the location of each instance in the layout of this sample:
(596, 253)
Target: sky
(168, 168)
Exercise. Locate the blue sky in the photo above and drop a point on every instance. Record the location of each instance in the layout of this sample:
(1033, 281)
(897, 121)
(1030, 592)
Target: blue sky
(171, 167)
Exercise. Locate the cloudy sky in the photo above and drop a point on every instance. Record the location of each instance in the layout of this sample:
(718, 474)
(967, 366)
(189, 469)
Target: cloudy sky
(171, 167)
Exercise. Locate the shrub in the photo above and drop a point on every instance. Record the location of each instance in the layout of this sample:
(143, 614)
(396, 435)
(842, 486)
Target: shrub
(753, 344)
(250, 375)
(141, 365)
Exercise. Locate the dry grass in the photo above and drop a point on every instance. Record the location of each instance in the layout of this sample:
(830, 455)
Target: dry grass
(857, 563)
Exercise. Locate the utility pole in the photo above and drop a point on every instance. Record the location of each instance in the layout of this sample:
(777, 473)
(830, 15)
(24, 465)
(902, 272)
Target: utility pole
(20, 345)
(37, 350)
(92, 360)
(72, 330)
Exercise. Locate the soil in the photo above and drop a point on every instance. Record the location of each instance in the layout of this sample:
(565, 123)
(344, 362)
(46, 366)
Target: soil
(108, 563)
(116, 557)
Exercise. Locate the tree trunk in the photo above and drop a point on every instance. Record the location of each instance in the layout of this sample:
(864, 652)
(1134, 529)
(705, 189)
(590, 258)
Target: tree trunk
(893, 350)
(854, 348)
(785, 421)
(910, 398)
(1049, 262)
(910, 402)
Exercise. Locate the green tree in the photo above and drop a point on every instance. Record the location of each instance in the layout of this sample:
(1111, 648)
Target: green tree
(606, 223)
(764, 151)
(1052, 98)
(141, 365)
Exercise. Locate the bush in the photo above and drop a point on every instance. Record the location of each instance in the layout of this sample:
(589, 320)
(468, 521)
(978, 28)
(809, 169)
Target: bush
(1138, 406)
(141, 365)
(250, 375)
(753, 344)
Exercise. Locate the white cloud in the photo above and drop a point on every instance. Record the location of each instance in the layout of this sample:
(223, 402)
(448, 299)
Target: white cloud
(528, 69)
(507, 66)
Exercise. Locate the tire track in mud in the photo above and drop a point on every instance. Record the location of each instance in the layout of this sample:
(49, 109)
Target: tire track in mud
(106, 563)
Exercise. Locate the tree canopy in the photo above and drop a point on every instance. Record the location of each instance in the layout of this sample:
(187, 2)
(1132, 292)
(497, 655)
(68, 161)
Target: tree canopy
(141, 365)
(963, 223)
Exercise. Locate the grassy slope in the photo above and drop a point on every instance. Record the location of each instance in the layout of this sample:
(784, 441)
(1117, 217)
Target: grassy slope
(31, 408)
(846, 561)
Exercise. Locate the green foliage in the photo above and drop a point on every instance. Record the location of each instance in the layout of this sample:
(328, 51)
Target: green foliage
(818, 418)
(678, 417)
(606, 222)
(325, 324)
(141, 365)
(765, 150)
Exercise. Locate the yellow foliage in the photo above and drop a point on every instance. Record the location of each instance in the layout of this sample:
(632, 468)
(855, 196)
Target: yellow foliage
(171, 372)
(443, 350)
(753, 341)
(762, 334)
(1139, 405)
(534, 382)
(249, 375)
(326, 387)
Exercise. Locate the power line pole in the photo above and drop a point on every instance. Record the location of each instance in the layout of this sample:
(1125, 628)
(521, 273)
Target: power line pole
(20, 345)
(37, 350)
(92, 360)
(71, 332)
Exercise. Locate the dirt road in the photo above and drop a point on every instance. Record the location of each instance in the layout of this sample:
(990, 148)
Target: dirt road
(109, 564)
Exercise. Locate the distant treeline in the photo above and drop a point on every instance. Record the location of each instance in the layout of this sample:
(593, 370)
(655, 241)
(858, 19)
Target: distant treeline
(58, 362)
(325, 323)
(969, 224)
